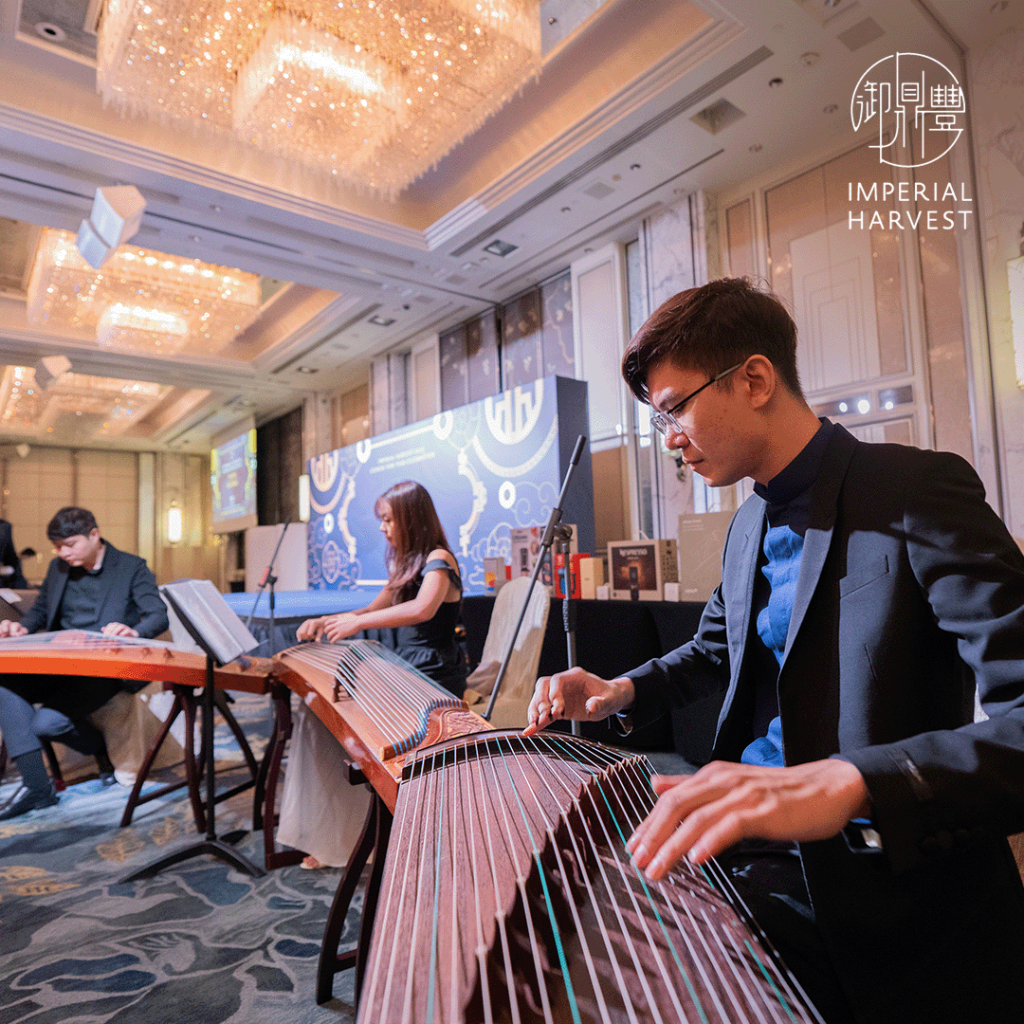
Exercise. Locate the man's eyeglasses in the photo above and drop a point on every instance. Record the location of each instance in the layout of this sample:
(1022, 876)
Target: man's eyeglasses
(666, 422)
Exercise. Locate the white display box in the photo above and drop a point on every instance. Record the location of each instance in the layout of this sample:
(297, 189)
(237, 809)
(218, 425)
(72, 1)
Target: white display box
(701, 540)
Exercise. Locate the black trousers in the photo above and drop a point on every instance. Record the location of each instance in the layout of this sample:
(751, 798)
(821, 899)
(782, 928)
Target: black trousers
(769, 879)
(54, 707)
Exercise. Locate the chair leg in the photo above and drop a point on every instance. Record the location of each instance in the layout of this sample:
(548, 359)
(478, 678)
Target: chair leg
(55, 773)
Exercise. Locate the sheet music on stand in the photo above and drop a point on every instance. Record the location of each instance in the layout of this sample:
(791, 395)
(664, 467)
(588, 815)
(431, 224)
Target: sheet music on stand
(211, 623)
(223, 637)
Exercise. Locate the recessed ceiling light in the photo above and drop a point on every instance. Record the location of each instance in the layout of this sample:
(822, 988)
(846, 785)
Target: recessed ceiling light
(774, 83)
(566, 209)
(47, 30)
(755, 148)
(634, 167)
(831, 108)
(809, 59)
(381, 321)
(306, 369)
(500, 248)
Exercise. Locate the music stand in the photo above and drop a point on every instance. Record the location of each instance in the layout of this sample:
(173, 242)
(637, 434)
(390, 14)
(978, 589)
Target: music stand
(222, 636)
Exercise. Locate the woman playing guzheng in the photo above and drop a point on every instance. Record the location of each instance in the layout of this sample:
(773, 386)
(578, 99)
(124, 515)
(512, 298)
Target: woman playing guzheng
(415, 615)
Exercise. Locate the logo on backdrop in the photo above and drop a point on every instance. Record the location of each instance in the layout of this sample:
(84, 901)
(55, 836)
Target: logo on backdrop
(917, 105)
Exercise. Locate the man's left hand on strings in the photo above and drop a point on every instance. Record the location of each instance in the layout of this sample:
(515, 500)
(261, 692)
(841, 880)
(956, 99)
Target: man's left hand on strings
(698, 816)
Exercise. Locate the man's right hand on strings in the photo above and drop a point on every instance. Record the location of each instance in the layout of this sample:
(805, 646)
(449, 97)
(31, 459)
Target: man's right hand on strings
(576, 695)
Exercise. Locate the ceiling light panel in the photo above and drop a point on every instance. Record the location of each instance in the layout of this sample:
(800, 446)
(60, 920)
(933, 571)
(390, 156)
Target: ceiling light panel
(140, 300)
(75, 404)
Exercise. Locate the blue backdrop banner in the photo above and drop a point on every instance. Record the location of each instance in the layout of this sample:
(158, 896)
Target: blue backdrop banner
(489, 466)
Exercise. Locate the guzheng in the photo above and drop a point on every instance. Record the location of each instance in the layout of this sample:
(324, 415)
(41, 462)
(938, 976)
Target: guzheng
(376, 705)
(85, 653)
(508, 896)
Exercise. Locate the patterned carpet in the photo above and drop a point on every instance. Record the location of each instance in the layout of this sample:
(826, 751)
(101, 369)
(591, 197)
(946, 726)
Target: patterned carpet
(198, 942)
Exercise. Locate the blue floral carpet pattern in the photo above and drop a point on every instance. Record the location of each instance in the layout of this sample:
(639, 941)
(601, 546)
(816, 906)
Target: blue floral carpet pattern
(198, 942)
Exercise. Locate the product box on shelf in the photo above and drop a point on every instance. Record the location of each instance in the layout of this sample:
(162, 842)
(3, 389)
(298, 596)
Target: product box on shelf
(591, 575)
(496, 572)
(525, 548)
(701, 540)
(578, 565)
(639, 569)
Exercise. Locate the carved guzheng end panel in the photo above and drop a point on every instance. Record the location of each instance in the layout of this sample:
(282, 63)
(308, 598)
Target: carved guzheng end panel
(378, 707)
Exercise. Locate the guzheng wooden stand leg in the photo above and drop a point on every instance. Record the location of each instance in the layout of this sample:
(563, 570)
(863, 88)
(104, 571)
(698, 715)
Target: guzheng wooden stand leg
(185, 702)
(264, 810)
(373, 840)
(211, 844)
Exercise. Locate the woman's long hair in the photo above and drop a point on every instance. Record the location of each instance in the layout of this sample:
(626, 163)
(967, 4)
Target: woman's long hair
(416, 531)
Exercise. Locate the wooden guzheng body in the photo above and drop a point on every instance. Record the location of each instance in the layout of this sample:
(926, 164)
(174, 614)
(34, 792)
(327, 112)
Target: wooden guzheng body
(83, 653)
(378, 707)
(508, 896)
(381, 710)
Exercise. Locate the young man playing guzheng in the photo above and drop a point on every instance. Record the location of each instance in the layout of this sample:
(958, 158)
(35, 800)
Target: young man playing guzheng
(90, 585)
(868, 591)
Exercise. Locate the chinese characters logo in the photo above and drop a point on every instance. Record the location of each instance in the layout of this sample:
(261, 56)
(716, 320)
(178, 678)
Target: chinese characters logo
(918, 105)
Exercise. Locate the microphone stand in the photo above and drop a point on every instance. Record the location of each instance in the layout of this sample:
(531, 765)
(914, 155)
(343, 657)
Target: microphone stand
(564, 535)
(269, 579)
(554, 528)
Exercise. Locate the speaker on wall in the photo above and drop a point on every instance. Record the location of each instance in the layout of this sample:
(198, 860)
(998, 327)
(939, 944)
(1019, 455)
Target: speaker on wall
(116, 216)
(51, 368)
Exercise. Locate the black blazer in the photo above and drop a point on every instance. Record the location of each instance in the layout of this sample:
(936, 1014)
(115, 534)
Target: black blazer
(131, 596)
(9, 556)
(910, 597)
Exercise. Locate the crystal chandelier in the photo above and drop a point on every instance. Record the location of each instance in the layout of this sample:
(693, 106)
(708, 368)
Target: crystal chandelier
(104, 406)
(374, 91)
(139, 299)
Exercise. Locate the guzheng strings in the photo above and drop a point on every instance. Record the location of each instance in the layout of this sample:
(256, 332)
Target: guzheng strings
(508, 896)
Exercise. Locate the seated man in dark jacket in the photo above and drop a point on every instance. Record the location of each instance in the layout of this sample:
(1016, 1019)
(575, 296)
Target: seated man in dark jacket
(90, 585)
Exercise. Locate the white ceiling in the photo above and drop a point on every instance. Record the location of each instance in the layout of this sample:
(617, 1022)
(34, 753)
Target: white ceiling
(600, 140)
